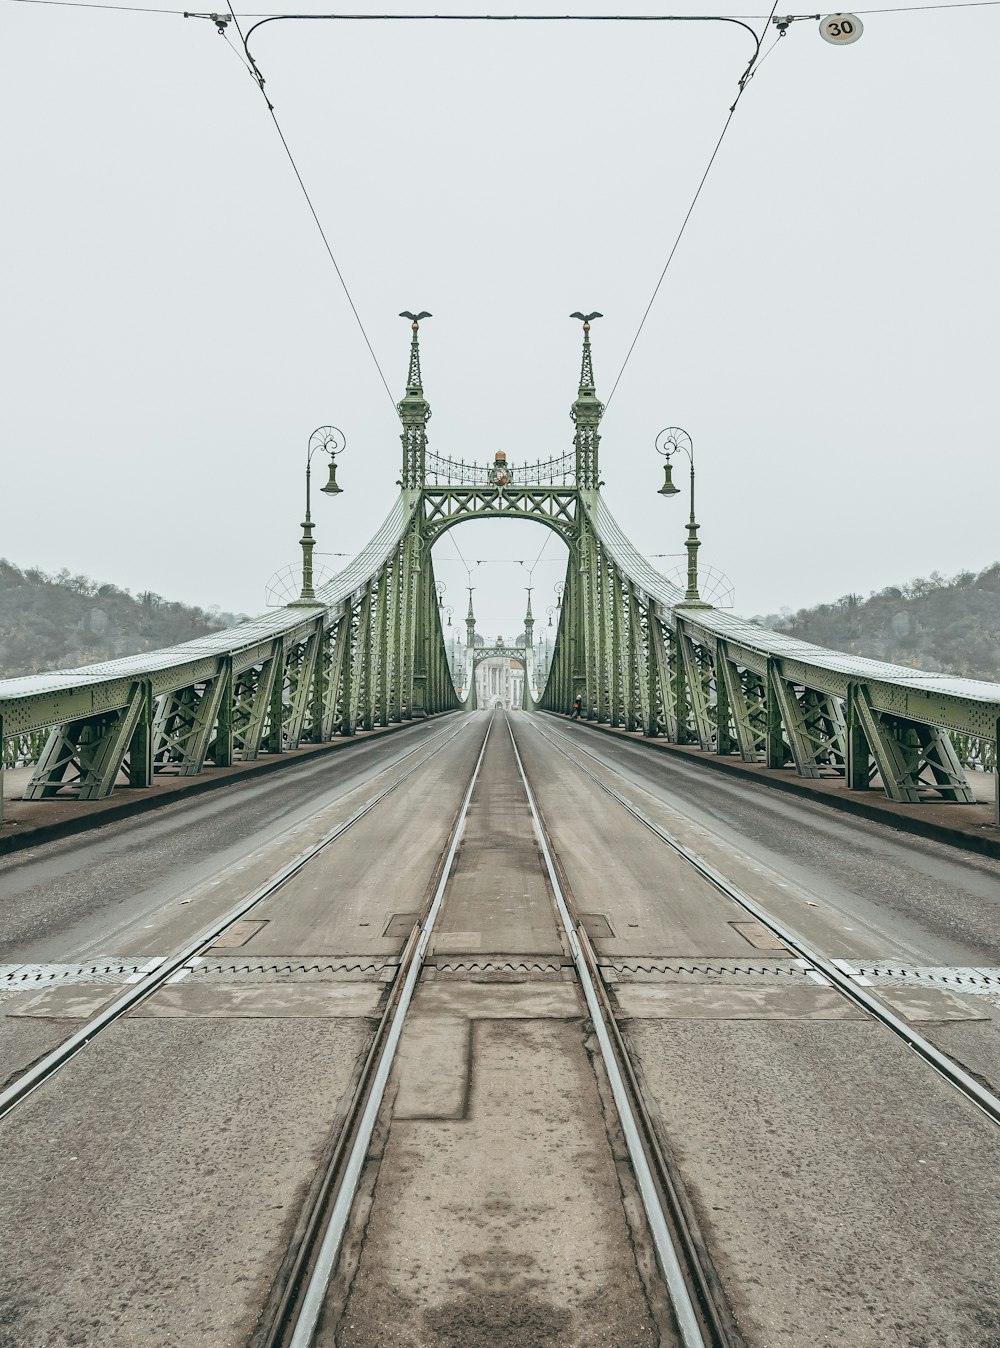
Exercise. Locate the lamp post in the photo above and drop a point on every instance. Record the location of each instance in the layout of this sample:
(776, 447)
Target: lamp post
(332, 441)
(670, 441)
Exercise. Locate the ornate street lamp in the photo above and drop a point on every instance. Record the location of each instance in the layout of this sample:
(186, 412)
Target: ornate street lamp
(670, 441)
(332, 441)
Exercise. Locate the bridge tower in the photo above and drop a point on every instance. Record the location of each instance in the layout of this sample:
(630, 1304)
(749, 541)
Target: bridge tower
(414, 413)
(586, 413)
(527, 698)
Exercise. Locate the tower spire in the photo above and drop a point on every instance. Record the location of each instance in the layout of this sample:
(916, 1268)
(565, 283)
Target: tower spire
(414, 411)
(586, 413)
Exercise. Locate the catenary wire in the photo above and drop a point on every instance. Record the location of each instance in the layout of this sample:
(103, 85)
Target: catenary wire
(258, 80)
(744, 81)
(468, 568)
(492, 18)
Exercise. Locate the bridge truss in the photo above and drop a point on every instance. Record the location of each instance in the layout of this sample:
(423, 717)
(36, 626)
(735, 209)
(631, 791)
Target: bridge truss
(370, 651)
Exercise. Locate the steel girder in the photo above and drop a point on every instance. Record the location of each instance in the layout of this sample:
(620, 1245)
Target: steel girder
(643, 658)
(378, 656)
(372, 651)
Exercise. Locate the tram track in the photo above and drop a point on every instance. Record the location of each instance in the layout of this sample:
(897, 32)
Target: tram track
(849, 983)
(697, 1303)
(687, 1270)
(302, 1286)
(157, 973)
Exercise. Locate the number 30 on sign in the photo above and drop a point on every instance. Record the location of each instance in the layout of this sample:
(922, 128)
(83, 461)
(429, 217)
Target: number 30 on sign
(841, 29)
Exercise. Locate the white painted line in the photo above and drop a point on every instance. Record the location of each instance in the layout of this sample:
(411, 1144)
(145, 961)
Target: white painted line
(179, 975)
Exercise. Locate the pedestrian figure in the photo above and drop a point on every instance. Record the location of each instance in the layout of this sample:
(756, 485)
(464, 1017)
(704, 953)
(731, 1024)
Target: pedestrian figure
(577, 708)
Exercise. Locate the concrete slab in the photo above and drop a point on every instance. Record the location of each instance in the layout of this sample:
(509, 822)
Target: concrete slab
(918, 1004)
(432, 1066)
(847, 1194)
(275, 1001)
(23, 1041)
(651, 1001)
(149, 1191)
(72, 1003)
(507, 1228)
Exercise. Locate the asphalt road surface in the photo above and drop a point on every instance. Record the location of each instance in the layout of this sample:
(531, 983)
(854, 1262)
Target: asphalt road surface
(846, 1194)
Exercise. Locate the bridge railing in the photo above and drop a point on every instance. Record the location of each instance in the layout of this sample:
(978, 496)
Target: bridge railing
(458, 473)
(353, 659)
(702, 676)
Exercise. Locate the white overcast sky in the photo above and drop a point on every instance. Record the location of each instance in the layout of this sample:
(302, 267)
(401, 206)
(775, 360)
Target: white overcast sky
(172, 329)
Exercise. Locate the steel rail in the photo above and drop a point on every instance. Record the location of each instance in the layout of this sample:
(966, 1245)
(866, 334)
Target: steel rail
(688, 1323)
(278, 1313)
(155, 978)
(845, 983)
(311, 1301)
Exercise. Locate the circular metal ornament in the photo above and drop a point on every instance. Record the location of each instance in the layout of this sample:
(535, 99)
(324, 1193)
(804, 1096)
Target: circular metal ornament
(713, 585)
(671, 439)
(330, 438)
(284, 586)
(841, 29)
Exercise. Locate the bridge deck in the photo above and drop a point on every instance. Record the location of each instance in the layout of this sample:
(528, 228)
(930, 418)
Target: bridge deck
(152, 1187)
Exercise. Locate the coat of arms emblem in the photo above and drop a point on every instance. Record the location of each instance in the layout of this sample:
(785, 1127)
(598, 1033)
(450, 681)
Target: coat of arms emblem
(499, 472)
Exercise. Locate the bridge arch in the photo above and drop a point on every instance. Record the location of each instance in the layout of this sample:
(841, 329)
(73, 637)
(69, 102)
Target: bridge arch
(368, 649)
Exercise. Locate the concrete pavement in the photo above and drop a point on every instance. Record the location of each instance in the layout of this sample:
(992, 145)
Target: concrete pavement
(846, 1194)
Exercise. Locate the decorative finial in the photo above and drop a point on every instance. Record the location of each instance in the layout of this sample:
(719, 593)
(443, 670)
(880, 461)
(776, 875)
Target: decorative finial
(415, 317)
(587, 319)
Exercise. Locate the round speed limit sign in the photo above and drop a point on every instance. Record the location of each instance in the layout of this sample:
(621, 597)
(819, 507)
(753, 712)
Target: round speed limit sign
(841, 29)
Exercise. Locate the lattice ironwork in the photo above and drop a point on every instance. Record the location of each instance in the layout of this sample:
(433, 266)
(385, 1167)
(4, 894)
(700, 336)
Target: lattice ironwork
(457, 472)
(631, 650)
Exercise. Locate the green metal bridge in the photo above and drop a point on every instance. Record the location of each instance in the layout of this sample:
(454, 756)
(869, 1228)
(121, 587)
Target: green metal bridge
(368, 649)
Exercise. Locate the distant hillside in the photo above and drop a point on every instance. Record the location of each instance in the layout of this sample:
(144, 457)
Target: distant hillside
(946, 624)
(59, 622)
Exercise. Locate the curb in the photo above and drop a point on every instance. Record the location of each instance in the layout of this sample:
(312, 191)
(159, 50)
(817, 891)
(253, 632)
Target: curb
(33, 835)
(926, 828)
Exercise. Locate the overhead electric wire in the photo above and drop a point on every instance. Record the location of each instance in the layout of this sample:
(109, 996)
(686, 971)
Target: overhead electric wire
(492, 18)
(468, 568)
(744, 81)
(259, 81)
(90, 4)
